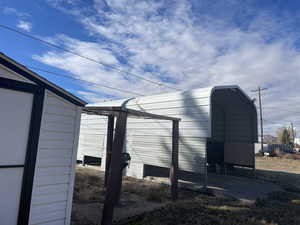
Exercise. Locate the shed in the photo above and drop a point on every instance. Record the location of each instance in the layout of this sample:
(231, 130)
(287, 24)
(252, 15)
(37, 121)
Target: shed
(39, 135)
(218, 126)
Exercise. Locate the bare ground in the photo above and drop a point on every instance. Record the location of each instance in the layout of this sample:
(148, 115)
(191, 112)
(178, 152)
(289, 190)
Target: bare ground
(138, 196)
(277, 208)
(280, 170)
(146, 202)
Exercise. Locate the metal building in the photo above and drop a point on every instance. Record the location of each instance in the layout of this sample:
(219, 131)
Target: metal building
(218, 127)
(38, 134)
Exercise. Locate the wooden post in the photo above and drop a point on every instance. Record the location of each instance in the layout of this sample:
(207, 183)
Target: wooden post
(115, 177)
(109, 144)
(174, 165)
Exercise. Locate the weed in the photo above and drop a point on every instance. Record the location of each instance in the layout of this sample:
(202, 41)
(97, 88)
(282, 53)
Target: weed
(260, 202)
(157, 195)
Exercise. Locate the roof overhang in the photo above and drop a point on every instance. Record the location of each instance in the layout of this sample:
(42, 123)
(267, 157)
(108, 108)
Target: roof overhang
(21, 70)
(114, 111)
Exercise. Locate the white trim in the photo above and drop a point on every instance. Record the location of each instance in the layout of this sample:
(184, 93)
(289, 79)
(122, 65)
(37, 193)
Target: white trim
(73, 167)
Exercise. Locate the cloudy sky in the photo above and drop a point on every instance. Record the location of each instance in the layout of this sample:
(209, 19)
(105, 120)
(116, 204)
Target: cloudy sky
(182, 44)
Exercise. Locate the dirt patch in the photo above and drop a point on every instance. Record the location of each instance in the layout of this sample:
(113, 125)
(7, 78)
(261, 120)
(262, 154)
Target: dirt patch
(138, 196)
(283, 171)
(281, 164)
(291, 156)
(147, 202)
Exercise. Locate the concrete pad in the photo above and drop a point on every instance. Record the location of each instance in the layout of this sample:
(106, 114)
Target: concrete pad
(245, 189)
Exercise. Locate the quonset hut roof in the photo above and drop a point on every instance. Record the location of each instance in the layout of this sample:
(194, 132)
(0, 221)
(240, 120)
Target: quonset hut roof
(186, 105)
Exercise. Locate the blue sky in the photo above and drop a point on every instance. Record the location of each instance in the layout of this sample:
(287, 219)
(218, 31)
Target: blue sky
(184, 44)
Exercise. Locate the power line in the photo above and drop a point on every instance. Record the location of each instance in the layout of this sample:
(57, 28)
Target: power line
(88, 82)
(276, 123)
(84, 57)
(270, 107)
(279, 121)
(293, 134)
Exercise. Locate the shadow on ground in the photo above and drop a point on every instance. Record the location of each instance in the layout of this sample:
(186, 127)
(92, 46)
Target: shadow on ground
(238, 186)
(281, 208)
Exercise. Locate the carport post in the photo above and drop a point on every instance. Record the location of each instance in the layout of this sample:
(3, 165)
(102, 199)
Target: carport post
(174, 164)
(114, 181)
(109, 143)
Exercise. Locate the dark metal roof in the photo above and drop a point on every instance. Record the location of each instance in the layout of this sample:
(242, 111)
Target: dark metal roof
(114, 110)
(38, 80)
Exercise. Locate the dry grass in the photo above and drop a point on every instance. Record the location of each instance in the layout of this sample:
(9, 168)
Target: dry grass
(137, 196)
(291, 156)
(151, 191)
(283, 171)
(88, 186)
(278, 209)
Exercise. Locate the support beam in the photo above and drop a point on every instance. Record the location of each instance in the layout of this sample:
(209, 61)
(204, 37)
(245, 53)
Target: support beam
(115, 176)
(109, 144)
(174, 164)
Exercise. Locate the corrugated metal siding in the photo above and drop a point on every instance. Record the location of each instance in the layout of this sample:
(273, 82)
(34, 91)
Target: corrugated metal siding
(148, 140)
(234, 155)
(156, 150)
(234, 124)
(92, 139)
(54, 168)
(238, 126)
(218, 124)
(234, 119)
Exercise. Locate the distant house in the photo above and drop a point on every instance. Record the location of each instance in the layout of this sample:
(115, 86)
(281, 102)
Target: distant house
(271, 147)
(269, 139)
(297, 141)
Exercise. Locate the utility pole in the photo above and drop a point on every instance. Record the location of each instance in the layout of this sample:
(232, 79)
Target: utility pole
(293, 135)
(259, 89)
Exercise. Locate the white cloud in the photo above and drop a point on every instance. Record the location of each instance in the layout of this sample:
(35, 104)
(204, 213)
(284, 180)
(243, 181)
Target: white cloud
(191, 50)
(24, 25)
(13, 11)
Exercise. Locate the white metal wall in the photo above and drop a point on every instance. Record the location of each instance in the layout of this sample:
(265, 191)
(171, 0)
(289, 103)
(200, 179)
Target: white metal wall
(92, 138)
(56, 158)
(148, 140)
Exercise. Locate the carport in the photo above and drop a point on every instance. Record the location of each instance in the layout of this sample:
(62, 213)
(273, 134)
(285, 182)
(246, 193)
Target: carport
(218, 127)
(233, 129)
(114, 149)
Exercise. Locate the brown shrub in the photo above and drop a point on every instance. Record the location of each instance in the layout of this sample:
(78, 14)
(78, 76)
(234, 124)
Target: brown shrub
(88, 185)
(291, 156)
(158, 194)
